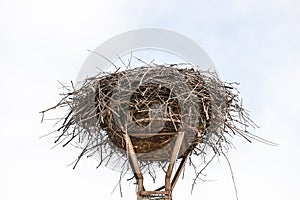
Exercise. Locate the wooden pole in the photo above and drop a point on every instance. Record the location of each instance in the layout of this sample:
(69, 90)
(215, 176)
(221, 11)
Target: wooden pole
(169, 186)
(173, 159)
(177, 173)
(134, 165)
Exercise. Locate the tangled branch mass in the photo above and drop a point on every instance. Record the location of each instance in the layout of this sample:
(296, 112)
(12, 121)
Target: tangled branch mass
(151, 104)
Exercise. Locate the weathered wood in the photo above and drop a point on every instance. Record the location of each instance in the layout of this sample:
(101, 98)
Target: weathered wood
(173, 159)
(178, 172)
(151, 134)
(134, 165)
(167, 193)
(154, 192)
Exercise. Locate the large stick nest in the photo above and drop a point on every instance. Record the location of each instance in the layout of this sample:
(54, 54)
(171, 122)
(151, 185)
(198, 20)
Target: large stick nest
(152, 104)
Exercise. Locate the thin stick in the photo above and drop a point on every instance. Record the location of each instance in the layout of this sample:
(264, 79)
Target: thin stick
(232, 176)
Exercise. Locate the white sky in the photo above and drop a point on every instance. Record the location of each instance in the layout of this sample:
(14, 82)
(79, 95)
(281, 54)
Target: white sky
(252, 42)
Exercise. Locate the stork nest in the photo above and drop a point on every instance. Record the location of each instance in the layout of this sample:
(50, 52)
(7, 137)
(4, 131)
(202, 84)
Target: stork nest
(151, 104)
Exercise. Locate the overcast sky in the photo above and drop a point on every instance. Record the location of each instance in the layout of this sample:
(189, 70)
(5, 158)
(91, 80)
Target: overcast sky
(252, 42)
